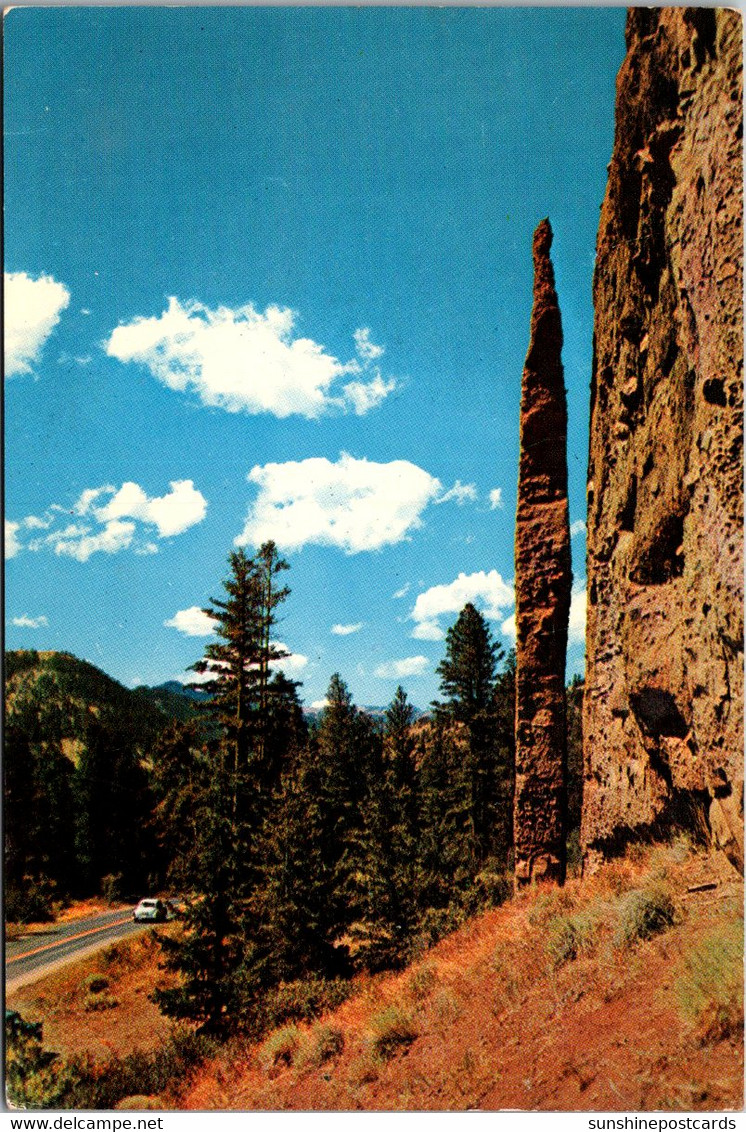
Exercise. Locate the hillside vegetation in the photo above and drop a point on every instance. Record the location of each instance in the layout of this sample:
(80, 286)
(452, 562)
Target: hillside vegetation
(620, 992)
(77, 784)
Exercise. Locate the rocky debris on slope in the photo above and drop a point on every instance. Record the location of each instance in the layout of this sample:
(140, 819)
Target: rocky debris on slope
(542, 581)
(663, 722)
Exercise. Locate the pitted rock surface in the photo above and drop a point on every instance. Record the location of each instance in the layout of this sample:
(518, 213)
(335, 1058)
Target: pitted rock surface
(663, 715)
(543, 580)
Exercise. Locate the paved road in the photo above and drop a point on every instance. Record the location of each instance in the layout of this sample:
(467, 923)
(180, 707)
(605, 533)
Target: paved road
(34, 955)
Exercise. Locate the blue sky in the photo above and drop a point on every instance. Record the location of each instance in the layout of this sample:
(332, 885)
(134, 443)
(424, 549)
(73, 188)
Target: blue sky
(268, 274)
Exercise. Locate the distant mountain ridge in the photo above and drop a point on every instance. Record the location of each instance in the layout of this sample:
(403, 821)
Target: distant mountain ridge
(39, 685)
(80, 688)
(177, 688)
(173, 698)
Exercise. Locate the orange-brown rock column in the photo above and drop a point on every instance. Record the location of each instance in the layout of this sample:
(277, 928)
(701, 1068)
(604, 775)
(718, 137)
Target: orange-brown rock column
(543, 580)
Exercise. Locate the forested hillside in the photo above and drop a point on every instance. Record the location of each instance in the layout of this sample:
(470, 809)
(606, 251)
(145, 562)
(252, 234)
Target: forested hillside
(77, 784)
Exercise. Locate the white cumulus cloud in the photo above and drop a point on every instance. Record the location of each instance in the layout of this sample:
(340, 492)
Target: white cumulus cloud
(408, 666)
(402, 592)
(577, 528)
(496, 498)
(12, 543)
(366, 348)
(32, 310)
(193, 622)
(244, 361)
(107, 520)
(352, 504)
(75, 541)
(487, 590)
(26, 622)
(171, 514)
(460, 493)
(291, 664)
(428, 631)
(346, 630)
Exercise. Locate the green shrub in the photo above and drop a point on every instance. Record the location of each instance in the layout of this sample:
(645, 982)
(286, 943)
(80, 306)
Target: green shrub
(644, 913)
(436, 923)
(94, 1086)
(280, 1047)
(393, 1028)
(710, 986)
(95, 1002)
(37, 1078)
(30, 902)
(492, 886)
(112, 887)
(32, 1074)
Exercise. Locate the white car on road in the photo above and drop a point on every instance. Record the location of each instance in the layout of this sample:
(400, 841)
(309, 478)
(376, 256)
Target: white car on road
(150, 910)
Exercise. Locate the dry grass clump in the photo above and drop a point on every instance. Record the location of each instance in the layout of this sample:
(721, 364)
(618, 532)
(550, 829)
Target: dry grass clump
(114, 954)
(710, 987)
(322, 1044)
(364, 1069)
(280, 1047)
(568, 937)
(645, 912)
(393, 1029)
(101, 1001)
(422, 982)
(549, 905)
(446, 1008)
(140, 1103)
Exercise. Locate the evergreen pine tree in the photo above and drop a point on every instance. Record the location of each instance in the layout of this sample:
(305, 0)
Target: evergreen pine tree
(209, 955)
(468, 680)
(178, 769)
(221, 958)
(389, 873)
(345, 741)
(444, 861)
(295, 900)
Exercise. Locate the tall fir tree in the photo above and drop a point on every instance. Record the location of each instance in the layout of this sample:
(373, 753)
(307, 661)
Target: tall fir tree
(220, 956)
(346, 742)
(468, 681)
(444, 852)
(295, 899)
(209, 955)
(390, 872)
(178, 767)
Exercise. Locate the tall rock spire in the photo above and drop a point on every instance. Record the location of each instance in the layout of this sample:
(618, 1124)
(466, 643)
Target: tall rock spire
(543, 580)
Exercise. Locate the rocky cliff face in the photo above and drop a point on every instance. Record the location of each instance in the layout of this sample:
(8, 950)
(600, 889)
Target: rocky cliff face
(663, 717)
(543, 580)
